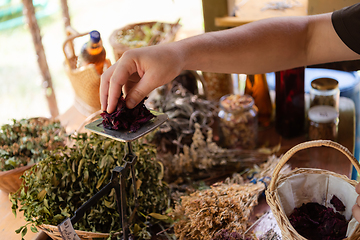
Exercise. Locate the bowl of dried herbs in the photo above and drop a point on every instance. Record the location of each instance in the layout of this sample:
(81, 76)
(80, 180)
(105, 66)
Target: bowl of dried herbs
(23, 143)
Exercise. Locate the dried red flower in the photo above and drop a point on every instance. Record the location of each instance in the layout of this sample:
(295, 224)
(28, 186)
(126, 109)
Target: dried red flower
(317, 222)
(125, 118)
(337, 203)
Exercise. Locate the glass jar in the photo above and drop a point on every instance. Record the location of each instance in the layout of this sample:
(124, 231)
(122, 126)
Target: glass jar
(238, 121)
(217, 85)
(325, 91)
(323, 123)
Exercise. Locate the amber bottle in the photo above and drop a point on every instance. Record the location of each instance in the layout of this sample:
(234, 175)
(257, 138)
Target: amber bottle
(257, 87)
(93, 52)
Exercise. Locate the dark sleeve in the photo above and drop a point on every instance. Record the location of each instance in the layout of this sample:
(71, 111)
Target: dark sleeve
(346, 23)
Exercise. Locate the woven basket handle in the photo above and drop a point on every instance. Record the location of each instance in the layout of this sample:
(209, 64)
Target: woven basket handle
(309, 144)
(72, 34)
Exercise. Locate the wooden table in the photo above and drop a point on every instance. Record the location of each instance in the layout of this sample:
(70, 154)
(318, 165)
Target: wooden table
(324, 158)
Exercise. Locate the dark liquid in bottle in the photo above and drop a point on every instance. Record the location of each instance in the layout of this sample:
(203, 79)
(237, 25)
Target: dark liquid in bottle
(290, 102)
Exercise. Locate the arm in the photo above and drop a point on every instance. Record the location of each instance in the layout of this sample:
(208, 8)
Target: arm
(258, 47)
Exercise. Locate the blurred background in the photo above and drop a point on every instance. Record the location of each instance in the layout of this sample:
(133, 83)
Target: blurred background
(21, 93)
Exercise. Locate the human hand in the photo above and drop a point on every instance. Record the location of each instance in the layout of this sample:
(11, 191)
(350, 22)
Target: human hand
(137, 73)
(356, 207)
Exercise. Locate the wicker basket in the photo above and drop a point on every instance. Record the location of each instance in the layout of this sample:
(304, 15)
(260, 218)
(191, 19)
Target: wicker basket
(119, 48)
(280, 200)
(53, 232)
(10, 180)
(84, 80)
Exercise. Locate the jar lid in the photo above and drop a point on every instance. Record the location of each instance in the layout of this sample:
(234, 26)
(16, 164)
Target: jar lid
(234, 102)
(324, 84)
(323, 114)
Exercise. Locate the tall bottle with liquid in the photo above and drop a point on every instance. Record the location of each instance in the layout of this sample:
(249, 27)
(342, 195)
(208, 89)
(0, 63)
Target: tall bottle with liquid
(93, 52)
(257, 87)
(290, 102)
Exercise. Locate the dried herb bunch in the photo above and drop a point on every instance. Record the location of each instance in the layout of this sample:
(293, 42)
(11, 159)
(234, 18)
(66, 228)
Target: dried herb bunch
(144, 34)
(184, 110)
(225, 208)
(23, 142)
(70, 176)
(205, 155)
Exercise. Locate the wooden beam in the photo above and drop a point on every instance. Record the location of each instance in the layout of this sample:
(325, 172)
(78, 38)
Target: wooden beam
(65, 13)
(211, 10)
(29, 13)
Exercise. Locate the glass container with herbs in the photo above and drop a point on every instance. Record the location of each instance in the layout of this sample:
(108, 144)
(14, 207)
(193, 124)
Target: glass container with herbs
(238, 121)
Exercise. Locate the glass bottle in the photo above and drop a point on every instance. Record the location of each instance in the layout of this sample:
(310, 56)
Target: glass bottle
(257, 87)
(238, 121)
(325, 91)
(93, 52)
(290, 102)
(323, 123)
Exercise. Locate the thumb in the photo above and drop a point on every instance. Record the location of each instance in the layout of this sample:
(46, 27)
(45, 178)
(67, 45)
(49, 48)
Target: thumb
(139, 91)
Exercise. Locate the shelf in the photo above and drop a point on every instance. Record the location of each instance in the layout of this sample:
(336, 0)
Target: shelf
(253, 10)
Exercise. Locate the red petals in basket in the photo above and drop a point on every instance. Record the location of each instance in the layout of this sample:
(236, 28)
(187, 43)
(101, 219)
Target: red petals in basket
(317, 222)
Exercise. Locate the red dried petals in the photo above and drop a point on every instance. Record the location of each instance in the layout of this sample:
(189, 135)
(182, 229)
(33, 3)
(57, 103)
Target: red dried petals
(337, 203)
(317, 222)
(125, 118)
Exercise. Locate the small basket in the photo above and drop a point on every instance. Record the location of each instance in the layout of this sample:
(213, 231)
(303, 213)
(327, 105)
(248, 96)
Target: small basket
(120, 48)
(280, 196)
(10, 180)
(84, 80)
(53, 232)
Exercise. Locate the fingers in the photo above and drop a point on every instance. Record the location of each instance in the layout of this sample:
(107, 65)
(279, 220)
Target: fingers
(356, 209)
(104, 86)
(119, 78)
(137, 93)
(357, 189)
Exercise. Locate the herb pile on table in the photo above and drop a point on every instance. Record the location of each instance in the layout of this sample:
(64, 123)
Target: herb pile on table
(26, 141)
(68, 177)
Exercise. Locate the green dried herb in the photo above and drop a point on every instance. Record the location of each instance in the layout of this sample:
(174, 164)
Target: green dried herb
(68, 177)
(24, 141)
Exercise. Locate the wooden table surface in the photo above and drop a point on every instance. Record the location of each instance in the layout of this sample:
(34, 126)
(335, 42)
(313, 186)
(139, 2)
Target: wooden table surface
(324, 158)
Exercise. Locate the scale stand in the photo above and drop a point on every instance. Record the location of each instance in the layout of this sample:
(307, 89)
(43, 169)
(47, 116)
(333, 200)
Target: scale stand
(117, 182)
(118, 175)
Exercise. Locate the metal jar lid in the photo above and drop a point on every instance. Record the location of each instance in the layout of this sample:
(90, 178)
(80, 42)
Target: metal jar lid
(324, 84)
(323, 114)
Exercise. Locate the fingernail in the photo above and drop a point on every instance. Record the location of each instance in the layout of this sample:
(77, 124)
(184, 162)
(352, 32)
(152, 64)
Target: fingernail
(130, 103)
